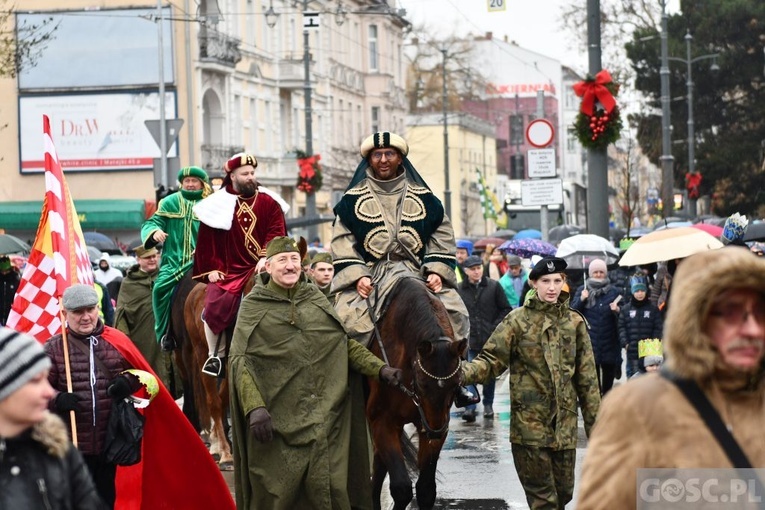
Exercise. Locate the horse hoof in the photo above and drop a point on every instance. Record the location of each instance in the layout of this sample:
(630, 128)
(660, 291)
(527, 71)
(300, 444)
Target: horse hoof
(226, 466)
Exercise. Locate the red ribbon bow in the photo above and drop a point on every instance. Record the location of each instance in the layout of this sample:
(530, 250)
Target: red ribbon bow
(592, 90)
(306, 166)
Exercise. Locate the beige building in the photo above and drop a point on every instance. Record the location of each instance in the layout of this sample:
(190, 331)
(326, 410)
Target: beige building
(472, 146)
(232, 74)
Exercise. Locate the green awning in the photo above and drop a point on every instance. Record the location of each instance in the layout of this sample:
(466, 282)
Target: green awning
(93, 214)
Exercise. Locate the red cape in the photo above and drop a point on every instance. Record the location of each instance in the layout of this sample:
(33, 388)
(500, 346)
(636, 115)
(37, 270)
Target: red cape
(176, 470)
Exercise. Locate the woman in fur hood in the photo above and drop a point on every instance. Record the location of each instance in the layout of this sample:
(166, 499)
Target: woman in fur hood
(39, 467)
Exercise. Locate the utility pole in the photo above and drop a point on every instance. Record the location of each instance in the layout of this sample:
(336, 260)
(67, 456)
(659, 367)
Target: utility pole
(519, 174)
(310, 198)
(163, 178)
(543, 220)
(597, 163)
(667, 160)
(444, 99)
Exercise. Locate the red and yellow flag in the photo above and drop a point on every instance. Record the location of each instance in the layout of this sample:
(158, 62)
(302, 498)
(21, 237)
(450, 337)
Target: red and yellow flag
(59, 257)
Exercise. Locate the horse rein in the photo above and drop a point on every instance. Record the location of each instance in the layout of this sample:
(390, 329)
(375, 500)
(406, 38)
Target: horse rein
(429, 431)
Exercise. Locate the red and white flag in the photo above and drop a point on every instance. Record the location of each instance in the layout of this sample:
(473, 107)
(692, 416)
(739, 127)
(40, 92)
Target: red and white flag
(59, 257)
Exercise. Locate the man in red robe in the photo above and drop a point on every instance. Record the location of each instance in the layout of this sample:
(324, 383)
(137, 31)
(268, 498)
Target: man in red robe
(236, 224)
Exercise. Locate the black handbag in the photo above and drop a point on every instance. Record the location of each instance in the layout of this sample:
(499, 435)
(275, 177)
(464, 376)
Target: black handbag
(124, 434)
(124, 431)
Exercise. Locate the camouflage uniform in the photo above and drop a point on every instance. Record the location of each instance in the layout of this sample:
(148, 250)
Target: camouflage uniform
(547, 350)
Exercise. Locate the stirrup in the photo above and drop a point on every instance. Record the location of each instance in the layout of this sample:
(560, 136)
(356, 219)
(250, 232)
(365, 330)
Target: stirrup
(212, 366)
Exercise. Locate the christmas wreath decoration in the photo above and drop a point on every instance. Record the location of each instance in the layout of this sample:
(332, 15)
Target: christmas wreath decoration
(598, 123)
(309, 177)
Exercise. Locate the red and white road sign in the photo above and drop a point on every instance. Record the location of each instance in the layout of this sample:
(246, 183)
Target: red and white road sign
(540, 133)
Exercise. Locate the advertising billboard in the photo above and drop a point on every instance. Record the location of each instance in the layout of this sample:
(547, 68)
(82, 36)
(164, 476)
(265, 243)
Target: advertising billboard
(93, 132)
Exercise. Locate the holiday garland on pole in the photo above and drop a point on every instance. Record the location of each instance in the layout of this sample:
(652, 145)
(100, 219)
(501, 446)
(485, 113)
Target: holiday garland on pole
(309, 177)
(598, 123)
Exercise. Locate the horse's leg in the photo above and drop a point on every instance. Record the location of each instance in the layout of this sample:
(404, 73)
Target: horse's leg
(427, 459)
(387, 440)
(226, 457)
(378, 477)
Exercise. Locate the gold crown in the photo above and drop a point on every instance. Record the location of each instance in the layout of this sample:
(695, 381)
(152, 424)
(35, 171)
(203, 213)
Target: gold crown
(650, 347)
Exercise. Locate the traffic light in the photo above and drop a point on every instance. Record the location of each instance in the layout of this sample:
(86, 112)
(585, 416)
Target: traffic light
(517, 166)
(516, 130)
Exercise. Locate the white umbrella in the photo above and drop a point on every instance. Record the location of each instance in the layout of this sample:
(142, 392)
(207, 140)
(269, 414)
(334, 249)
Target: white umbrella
(668, 244)
(579, 250)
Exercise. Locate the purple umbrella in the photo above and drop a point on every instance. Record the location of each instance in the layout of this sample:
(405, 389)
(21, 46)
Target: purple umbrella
(525, 248)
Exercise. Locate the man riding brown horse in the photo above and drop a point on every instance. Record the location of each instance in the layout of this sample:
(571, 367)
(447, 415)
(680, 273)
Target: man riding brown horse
(236, 224)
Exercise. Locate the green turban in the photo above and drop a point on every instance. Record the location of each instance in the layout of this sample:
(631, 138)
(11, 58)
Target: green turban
(193, 171)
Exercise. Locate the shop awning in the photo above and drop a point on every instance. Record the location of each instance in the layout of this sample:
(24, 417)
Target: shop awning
(93, 214)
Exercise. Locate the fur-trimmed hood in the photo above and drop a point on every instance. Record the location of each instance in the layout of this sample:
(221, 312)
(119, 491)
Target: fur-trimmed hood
(51, 433)
(699, 280)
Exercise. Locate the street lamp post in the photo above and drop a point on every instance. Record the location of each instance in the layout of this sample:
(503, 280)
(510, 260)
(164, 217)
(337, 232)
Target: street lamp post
(447, 191)
(688, 61)
(667, 160)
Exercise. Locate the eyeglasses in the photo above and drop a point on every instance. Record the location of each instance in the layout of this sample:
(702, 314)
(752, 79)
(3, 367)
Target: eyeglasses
(377, 156)
(738, 315)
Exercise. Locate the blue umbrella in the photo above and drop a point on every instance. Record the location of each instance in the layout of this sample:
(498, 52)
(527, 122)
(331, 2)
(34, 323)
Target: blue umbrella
(525, 248)
(528, 233)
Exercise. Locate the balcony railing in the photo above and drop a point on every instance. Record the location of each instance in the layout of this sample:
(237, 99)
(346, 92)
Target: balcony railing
(291, 74)
(215, 156)
(219, 48)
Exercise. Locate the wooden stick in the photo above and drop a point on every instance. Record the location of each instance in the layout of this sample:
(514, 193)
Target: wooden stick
(67, 371)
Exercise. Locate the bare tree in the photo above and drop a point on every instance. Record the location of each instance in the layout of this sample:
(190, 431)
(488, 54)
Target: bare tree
(21, 45)
(627, 186)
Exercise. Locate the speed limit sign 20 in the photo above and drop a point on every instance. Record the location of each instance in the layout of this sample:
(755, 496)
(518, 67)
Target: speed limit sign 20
(496, 5)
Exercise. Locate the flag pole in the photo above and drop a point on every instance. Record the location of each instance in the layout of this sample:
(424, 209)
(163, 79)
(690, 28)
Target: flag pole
(67, 371)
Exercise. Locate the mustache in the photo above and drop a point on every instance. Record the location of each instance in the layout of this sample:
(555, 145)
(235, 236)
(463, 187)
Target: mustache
(745, 343)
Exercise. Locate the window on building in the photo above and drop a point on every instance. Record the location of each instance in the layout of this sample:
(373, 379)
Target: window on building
(253, 142)
(375, 119)
(571, 143)
(373, 56)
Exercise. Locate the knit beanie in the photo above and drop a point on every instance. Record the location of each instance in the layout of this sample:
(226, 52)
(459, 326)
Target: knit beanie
(638, 283)
(597, 264)
(21, 359)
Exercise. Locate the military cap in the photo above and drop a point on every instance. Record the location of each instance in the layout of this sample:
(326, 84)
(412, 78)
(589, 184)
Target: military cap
(193, 171)
(547, 265)
(321, 257)
(79, 296)
(472, 261)
(281, 244)
(239, 160)
(383, 140)
(142, 252)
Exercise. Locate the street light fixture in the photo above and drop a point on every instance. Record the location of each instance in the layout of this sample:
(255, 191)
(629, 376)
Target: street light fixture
(688, 61)
(271, 16)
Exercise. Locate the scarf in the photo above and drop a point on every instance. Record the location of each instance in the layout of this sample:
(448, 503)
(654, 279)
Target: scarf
(597, 288)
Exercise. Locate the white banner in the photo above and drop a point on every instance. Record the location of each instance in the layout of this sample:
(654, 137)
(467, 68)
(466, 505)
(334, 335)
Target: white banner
(93, 132)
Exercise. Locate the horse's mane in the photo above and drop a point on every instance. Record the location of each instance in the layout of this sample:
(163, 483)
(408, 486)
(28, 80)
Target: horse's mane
(418, 313)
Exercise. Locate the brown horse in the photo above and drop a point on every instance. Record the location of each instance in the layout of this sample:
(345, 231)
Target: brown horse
(205, 397)
(416, 336)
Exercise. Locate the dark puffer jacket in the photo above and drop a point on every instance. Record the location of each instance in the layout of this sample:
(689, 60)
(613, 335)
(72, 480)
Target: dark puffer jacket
(487, 305)
(41, 469)
(90, 439)
(602, 325)
(638, 320)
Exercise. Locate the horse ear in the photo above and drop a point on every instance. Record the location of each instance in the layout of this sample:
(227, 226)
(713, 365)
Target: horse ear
(460, 348)
(424, 349)
(303, 247)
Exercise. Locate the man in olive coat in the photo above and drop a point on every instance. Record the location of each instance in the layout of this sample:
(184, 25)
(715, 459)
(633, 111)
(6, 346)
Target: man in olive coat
(299, 440)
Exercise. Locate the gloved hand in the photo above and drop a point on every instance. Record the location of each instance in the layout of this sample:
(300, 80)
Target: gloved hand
(119, 388)
(464, 397)
(261, 425)
(65, 402)
(392, 376)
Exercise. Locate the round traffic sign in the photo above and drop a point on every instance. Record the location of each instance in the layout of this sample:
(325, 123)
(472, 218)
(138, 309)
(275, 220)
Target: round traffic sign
(540, 133)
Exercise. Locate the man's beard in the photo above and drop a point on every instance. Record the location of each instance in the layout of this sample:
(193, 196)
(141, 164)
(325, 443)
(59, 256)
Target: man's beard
(247, 189)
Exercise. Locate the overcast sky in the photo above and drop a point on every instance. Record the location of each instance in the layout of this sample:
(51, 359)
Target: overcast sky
(533, 24)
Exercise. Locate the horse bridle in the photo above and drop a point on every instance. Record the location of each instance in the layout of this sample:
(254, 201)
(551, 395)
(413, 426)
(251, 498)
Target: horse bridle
(429, 431)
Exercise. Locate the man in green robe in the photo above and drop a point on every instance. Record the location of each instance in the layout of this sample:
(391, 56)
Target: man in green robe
(300, 439)
(175, 226)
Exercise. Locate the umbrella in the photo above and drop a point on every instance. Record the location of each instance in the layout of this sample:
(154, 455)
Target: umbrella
(668, 244)
(504, 233)
(481, 244)
(672, 224)
(102, 242)
(528, 233)
(12, 244)
(559, 233)
(710, 229)
(525, 248)
(579, 250)
(755, 232)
